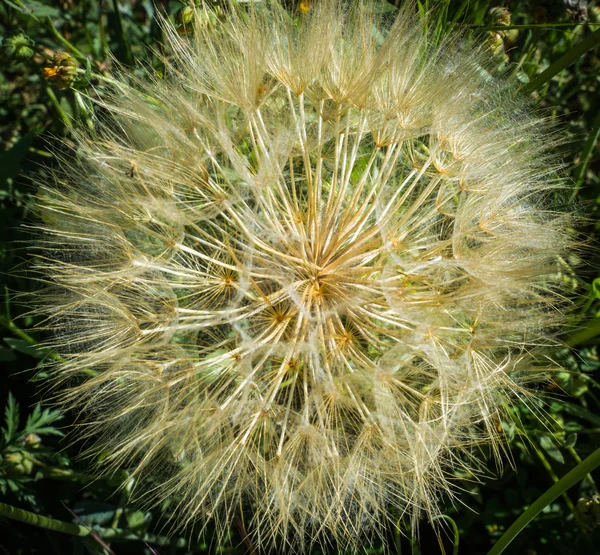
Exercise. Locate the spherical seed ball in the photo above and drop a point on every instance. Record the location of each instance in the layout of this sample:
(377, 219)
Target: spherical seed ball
(306, 270)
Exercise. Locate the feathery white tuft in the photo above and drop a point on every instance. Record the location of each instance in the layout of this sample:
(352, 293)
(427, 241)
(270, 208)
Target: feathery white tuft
(308, 270)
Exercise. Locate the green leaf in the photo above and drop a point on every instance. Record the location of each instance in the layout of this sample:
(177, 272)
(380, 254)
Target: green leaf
(548, 445)
(14, 6)
(383, 6)
(136, 519)
(38, 422)
(596, 288)
(11, 418)
(564, 61)
(34, 9)
(581, 412)
(93, 513)
(570, 440)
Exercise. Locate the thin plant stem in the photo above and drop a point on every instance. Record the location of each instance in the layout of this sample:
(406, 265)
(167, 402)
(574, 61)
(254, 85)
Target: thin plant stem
(40, 521)
(78, 54)
(9, 324)
(455, 531)
(62, 114)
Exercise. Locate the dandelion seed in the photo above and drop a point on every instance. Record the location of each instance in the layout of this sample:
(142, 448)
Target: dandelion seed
(307, 271)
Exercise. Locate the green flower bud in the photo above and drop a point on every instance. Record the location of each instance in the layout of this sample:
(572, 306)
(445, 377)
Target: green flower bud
(499, 16)
(192, 17)
(186, 15)
(64, 71)
(19, 463)
(13, 458)
(33, 440)
(19, 47)
(587, 512)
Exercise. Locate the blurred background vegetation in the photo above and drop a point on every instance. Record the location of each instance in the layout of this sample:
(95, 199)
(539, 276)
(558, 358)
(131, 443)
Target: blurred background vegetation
(54, 55)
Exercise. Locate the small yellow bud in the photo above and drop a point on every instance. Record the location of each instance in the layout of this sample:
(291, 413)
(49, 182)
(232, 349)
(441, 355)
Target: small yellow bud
(63, 72)
(304, 6)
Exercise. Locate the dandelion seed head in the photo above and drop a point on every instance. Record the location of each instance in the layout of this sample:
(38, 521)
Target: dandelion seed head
(306, 271)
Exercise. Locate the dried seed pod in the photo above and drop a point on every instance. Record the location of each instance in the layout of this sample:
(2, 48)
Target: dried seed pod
(323, 278)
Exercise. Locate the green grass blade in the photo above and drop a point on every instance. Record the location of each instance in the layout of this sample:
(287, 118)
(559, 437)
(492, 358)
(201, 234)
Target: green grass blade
(586, 155)
(564, 61)
(587, 331)
(122, 37)
(570, 479)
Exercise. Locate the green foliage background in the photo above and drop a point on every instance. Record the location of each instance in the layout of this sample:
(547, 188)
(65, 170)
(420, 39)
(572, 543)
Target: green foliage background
(43, 97)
